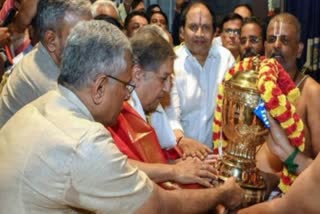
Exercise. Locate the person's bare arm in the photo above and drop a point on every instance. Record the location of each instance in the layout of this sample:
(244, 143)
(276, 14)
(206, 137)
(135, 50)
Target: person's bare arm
(24, 16)
(192, 201)
(279, 145)
(184, 172)
(277, 149)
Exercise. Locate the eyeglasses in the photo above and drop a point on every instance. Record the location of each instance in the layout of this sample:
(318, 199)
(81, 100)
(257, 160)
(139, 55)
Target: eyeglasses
(130, 87)
(251, 39)
(232, 31)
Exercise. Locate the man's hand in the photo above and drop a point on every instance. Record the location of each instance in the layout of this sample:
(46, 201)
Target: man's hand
(279, 145)
(192, 170)
(233, 194)
(193, 148)
(278, 142)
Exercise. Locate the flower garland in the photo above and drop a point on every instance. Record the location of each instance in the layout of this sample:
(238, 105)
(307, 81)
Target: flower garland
(279, 93)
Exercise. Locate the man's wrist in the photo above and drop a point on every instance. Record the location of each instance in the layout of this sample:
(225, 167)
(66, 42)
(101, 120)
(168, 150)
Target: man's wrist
(303, 161)
(178, 134)
(173, 172)
(290, 162)
(178, 140)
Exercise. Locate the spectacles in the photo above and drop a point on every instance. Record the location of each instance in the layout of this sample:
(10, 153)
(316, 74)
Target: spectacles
(232, 31)
(130, 87)
(251, 39)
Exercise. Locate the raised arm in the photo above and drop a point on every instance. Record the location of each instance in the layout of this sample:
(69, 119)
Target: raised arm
(279, 145)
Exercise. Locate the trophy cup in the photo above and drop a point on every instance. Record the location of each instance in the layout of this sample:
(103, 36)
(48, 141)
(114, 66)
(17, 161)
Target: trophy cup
(244, 132)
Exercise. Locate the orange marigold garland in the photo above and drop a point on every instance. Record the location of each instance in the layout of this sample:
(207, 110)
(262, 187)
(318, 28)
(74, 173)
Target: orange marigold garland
(279, 93)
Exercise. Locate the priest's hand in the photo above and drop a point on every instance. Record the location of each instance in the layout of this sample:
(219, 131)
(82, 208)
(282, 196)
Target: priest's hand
(279, 144)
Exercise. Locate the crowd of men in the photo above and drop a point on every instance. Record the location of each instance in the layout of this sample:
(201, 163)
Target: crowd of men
(103, 115)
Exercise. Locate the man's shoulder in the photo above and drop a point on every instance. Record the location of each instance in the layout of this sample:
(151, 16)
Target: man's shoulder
(23, 85)
(181, 51)
(66, 115)
(219, 50)
(311, 87)
(27, 70)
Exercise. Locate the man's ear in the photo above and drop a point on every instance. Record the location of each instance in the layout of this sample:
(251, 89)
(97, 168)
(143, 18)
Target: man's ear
(137, 73)
(181, 32)
(300, 49)
(50, 38)
(99, 89)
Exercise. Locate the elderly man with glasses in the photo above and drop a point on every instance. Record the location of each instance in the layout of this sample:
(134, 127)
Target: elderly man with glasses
(143, 127)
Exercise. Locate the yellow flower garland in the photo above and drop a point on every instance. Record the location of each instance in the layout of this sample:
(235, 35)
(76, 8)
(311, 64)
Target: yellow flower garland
(279, 93)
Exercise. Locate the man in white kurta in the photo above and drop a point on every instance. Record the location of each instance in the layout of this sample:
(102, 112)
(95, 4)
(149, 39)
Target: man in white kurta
(194, 98)
(199, 68)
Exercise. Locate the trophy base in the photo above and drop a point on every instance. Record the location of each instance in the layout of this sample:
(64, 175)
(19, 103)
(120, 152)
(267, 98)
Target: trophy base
(248, 177)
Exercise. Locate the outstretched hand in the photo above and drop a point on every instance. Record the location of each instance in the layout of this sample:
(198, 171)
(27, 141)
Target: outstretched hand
(193, 148)
(193, 170)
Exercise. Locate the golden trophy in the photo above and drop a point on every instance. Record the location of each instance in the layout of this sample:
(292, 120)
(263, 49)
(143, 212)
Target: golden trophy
(244, 132)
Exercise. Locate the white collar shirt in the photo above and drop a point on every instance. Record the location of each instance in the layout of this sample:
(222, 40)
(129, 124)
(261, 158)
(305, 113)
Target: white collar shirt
(194, 92)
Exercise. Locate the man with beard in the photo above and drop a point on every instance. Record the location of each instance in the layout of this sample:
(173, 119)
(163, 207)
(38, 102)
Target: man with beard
(251, 38)
(283, 43)
(199, 68)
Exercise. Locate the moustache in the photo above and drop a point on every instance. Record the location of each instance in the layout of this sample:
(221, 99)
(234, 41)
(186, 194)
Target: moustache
(249, 53)
(276, 55)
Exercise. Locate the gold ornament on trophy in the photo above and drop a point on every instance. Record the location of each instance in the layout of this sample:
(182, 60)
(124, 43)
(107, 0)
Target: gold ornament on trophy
(244, 132)
(250, 81)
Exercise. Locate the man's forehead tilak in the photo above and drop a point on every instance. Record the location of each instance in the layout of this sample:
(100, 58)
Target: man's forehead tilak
(277, 28)
(199, 15)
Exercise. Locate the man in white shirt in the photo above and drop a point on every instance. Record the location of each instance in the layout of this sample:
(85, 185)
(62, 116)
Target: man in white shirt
(199, 68)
